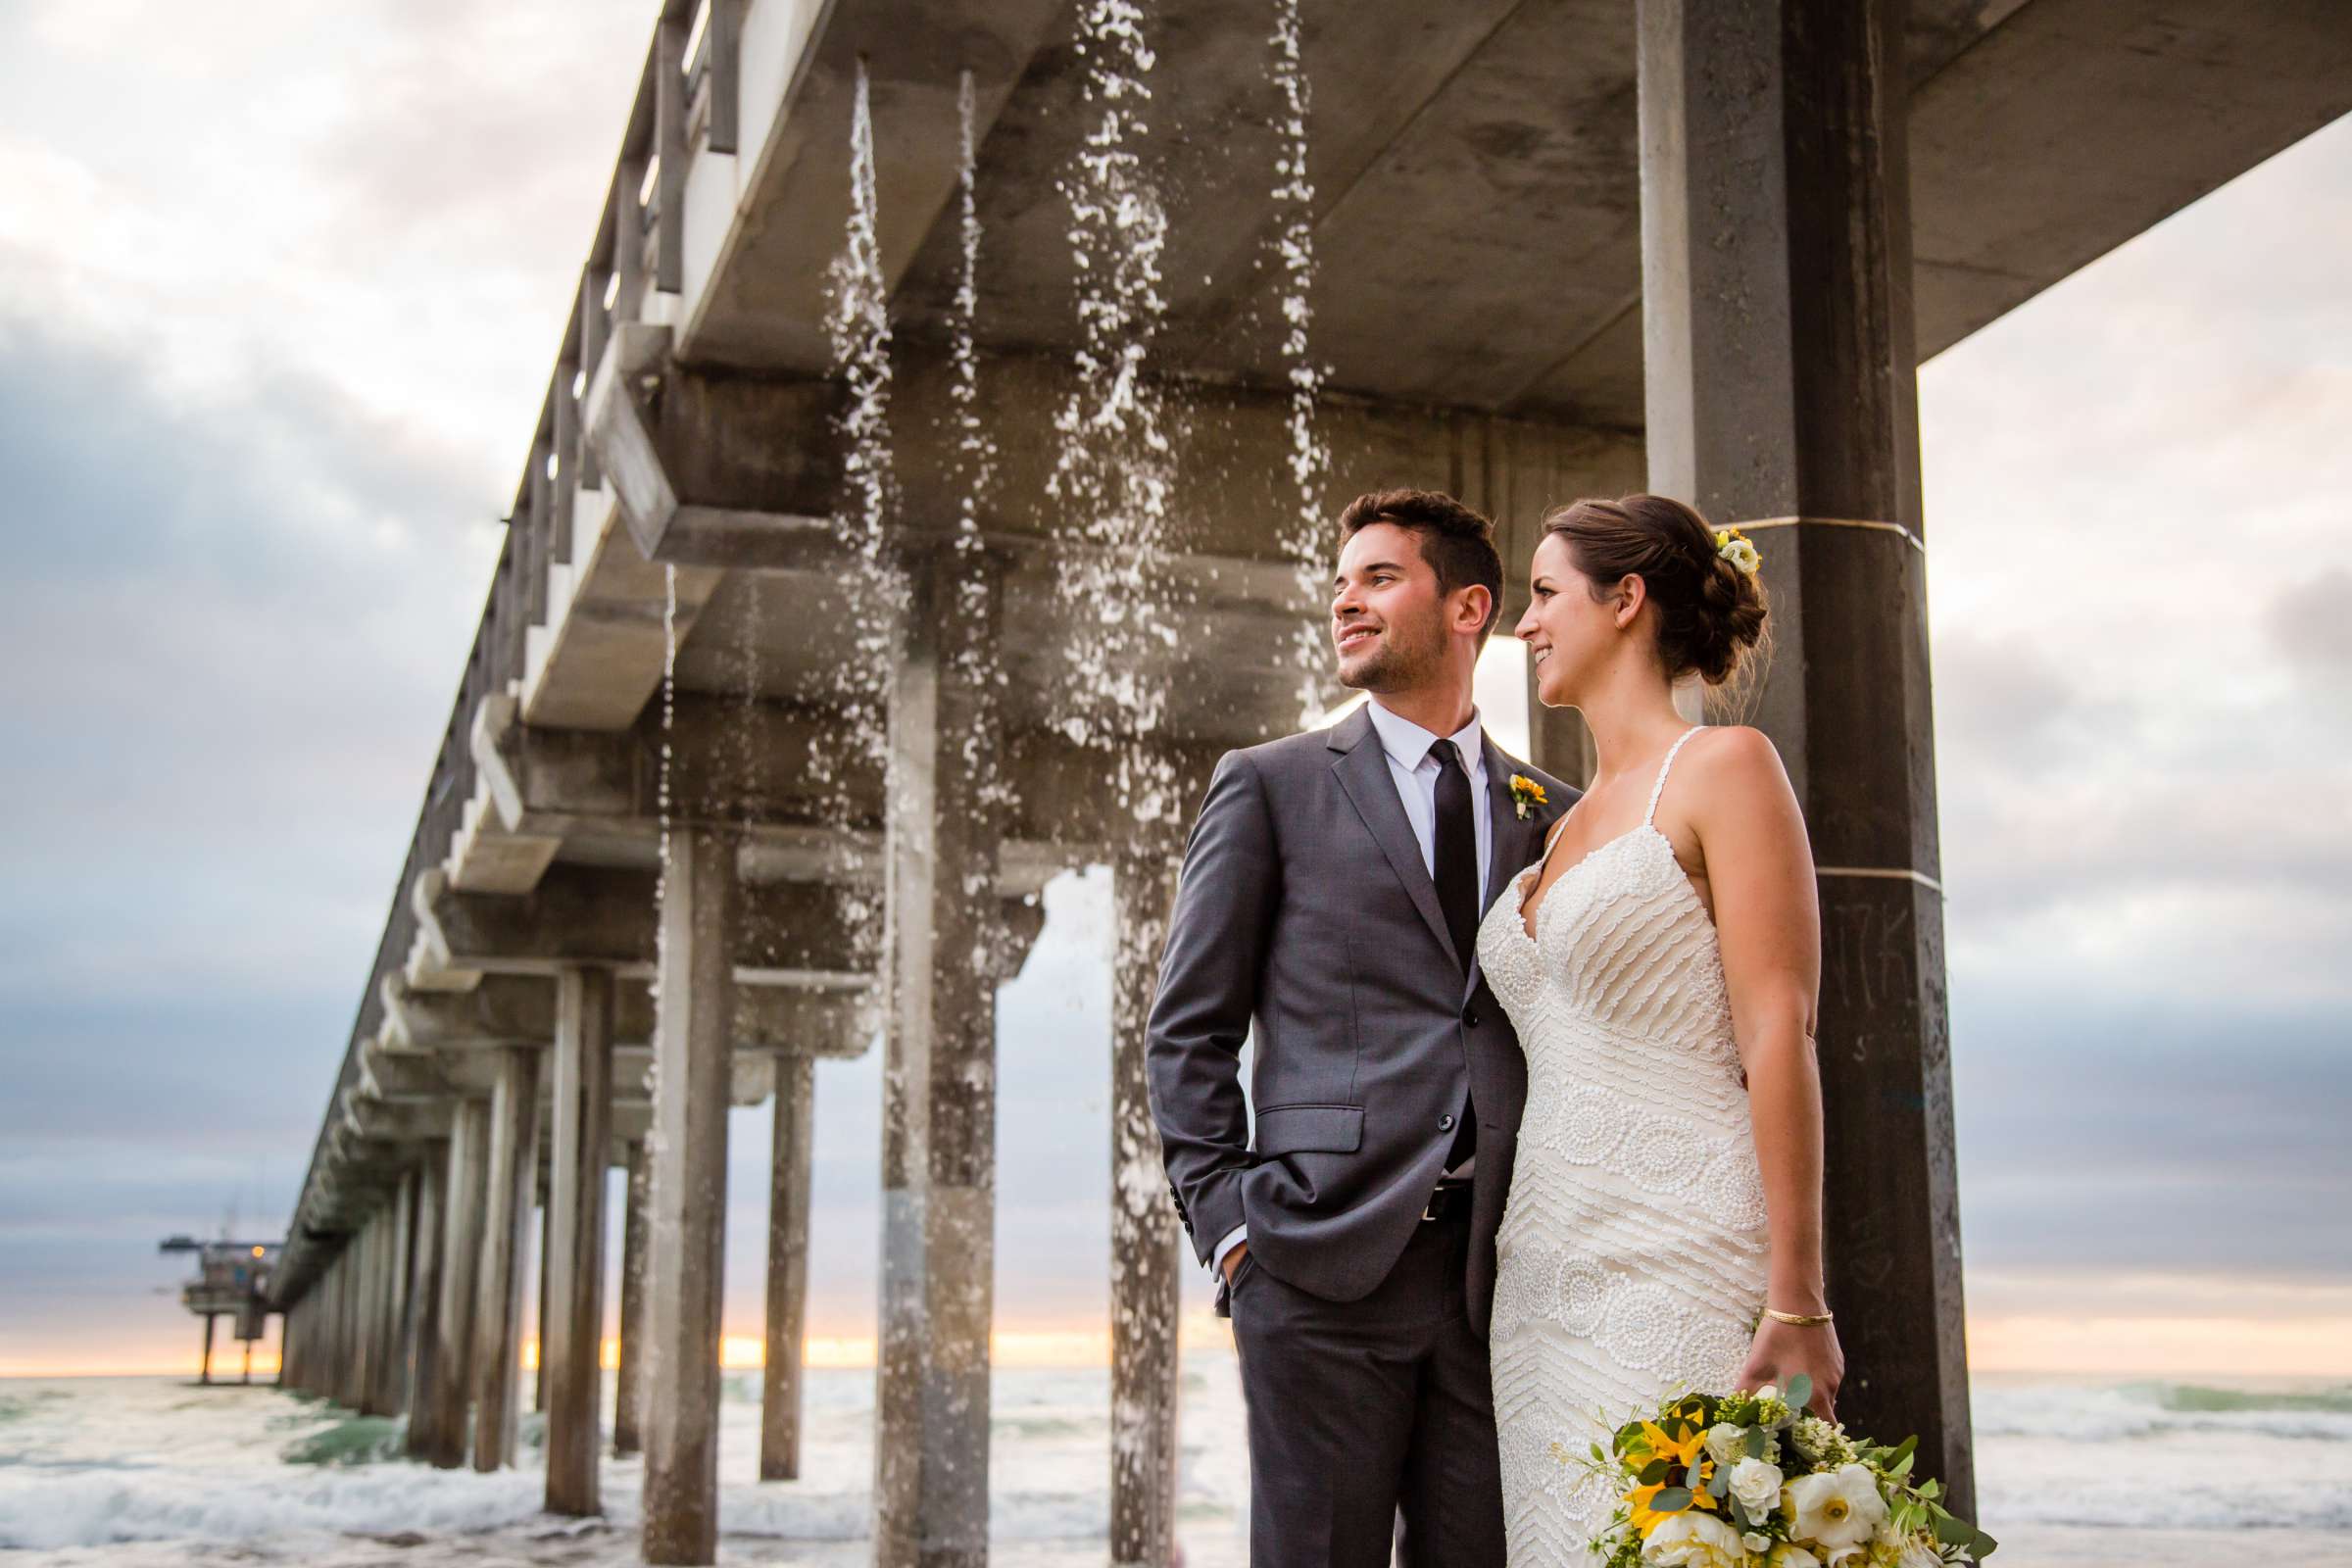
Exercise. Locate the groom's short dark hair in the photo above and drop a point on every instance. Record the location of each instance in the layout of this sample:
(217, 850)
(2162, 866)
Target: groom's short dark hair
(1457, 543)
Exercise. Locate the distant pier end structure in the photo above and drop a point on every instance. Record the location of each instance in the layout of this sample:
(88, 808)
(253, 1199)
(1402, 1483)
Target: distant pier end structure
(934, 478)
(232, 1281)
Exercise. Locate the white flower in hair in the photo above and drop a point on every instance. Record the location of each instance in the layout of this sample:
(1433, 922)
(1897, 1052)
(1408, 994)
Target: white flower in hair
(1734, 546)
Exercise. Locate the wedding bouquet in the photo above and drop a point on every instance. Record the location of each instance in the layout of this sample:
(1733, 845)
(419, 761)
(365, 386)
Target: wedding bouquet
(1751, 1481)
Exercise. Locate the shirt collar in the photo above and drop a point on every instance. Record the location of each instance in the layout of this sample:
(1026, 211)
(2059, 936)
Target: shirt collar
(1409, 743)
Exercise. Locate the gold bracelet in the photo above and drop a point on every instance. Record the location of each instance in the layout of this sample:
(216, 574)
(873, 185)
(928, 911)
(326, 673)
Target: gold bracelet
(1799, 1320)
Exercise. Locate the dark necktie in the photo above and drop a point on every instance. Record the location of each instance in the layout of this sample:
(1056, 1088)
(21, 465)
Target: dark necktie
(1456, 865)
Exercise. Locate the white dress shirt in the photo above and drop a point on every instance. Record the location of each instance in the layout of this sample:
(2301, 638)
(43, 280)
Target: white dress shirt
(1414, 772)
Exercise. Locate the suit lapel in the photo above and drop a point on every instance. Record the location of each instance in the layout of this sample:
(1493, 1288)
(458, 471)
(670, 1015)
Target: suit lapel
(1508, 849)
(1506, 845)
(1363, 772)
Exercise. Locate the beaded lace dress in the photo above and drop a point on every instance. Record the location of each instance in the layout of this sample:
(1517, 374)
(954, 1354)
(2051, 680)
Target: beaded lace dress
(1631, 1260)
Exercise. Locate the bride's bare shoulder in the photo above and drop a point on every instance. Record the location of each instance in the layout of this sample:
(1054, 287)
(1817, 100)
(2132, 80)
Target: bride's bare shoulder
(1736, 766)
(1734, 749)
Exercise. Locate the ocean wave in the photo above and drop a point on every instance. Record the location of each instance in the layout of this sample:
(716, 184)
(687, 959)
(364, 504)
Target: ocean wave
(355, 1439)
(2136, 1411)
(92, 1509)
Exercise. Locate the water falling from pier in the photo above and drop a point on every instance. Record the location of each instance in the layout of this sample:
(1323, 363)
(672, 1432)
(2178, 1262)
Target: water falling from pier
(1115, 470)
(874, 590)
(1306, 540)
(975, 465)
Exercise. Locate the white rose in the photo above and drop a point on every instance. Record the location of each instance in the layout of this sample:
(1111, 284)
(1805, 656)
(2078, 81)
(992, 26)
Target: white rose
(1757, 1486)
(1725, 1442)
(1838, 1510)
(1755, 1542)
(1694, 1539)
(1792, 1555)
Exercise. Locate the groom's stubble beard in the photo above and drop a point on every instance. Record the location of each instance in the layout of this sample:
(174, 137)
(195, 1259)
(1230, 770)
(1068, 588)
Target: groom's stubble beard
(1410, 655)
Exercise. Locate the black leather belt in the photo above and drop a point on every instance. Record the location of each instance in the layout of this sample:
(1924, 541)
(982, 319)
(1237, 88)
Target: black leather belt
(1451, 1201)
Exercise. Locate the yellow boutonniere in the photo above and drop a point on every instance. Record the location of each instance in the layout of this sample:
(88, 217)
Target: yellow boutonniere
(1526, 795)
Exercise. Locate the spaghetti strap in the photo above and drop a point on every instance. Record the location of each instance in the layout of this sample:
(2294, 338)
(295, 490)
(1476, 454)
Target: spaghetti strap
(1553, 837)
(1659, 787)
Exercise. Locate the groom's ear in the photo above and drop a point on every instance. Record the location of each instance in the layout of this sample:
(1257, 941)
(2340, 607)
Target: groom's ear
(1476, 610)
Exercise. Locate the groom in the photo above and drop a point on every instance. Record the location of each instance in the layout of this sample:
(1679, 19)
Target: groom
(1332, 892)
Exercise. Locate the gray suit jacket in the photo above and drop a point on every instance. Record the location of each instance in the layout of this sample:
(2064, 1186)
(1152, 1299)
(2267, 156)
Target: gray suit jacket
(1305, 910)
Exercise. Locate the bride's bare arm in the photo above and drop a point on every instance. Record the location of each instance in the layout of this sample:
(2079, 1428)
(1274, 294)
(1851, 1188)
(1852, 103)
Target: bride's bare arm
(1759, 870)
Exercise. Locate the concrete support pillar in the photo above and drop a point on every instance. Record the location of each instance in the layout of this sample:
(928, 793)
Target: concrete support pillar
(245, 1374)
(547, 1238)
(387, 1379)
(1781, 397)
(204, 1367)
(572, 1320)
(685, 1279)
(628, 1383)
(780, 1400)
(421, 1329)
(1147, 1242)
(367, 1318)
(506, 1228)
(931, 1396)
(465, 1193)
(351, 1298)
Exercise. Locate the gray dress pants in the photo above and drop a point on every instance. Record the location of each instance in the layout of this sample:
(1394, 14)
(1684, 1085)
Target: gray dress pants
(1371, 1422)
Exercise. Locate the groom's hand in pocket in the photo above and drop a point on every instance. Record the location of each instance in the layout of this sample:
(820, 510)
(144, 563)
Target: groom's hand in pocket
(1233, 1261)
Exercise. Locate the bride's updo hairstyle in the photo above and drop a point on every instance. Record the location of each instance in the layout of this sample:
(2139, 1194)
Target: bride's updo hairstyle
(1710, 613)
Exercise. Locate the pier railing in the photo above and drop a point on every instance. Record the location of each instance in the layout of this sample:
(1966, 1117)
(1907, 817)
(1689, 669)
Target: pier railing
(686, 100)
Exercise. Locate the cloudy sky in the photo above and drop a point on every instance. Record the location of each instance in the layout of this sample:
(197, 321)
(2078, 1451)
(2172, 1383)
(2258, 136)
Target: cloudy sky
(279, 286)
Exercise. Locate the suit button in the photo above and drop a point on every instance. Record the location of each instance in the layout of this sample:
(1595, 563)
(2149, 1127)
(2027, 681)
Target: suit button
(1444, 1124)
(1470, 1016)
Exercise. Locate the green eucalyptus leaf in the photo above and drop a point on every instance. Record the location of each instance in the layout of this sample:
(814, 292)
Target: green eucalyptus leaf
(1798, 1392)
(1674, 1499)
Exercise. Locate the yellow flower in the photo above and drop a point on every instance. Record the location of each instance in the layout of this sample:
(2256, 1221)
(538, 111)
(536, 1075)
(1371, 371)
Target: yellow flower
(1526, 793)
(1683, 1453)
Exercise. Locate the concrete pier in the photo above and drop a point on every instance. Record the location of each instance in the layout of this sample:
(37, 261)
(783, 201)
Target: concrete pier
(1781, 398)
(931, 1387)
(467, 1192)
(574, 1293)
(1555, 246)
(388, 1302)
(506, 1230)
(628, 1383)
(1147, 1240)
(686, 1242)
(425, 1283)
(780, 1394)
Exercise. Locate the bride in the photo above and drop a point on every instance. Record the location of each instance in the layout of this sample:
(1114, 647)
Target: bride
(1662, 963)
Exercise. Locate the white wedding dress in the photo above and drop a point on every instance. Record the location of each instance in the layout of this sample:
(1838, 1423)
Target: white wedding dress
(1632, 1253)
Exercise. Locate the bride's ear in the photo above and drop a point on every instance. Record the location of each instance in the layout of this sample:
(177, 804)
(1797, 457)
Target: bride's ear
(1632, 594)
